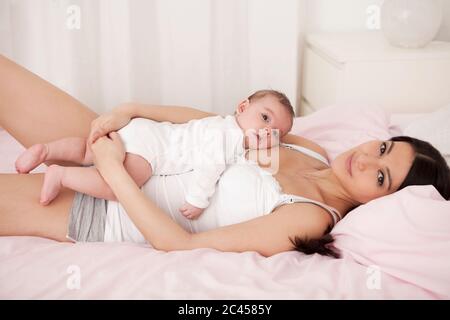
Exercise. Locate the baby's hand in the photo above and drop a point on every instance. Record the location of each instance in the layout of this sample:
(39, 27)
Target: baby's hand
(190, 212)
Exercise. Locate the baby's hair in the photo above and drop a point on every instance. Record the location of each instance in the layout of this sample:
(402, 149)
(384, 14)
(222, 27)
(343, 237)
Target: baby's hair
(281, 97)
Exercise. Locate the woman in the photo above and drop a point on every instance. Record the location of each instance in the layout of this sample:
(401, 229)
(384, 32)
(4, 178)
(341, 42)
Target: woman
(369, 171)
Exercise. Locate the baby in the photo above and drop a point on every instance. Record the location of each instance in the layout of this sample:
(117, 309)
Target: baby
(162, 148)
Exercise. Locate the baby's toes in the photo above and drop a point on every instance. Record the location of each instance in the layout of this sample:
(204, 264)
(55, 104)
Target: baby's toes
(31, 158)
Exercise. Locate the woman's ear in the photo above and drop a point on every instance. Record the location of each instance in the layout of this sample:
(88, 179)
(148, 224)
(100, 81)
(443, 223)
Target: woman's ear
(242, 106)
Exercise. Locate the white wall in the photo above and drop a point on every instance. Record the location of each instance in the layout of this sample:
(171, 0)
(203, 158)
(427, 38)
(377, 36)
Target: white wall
(337, 15)
(274, 44)
(202, 53)
(351, 15)
(444, 34)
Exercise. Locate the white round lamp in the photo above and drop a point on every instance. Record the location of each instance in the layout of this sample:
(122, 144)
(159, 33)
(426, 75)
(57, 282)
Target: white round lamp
(410, 23)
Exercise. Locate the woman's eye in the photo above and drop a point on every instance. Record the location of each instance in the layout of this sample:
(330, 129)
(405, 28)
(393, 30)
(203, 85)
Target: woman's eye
(265, 117)
(380, 178)
(383, 148)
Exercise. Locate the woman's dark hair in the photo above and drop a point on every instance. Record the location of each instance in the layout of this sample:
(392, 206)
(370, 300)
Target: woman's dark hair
(428, 168)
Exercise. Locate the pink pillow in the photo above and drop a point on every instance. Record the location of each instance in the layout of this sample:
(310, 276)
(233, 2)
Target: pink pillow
(405, 234)
(339, 128)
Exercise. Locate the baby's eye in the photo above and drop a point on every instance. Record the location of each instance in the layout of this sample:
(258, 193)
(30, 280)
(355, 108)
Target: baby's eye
(383, 148)
(265, 117)
(380, 178)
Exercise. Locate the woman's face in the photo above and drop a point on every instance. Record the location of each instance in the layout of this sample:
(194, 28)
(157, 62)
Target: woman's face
(373, 169)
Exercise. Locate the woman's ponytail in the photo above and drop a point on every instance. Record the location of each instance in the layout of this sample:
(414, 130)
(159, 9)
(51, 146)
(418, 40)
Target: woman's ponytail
(320, 246)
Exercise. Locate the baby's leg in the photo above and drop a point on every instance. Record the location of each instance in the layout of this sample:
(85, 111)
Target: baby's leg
(84, 180)
(89, 180)
(68, 149)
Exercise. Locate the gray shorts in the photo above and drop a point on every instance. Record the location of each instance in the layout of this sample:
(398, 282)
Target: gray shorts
(87, 219)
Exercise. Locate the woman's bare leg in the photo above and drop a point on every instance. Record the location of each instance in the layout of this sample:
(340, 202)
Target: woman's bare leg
(34, 111)
(22, 215)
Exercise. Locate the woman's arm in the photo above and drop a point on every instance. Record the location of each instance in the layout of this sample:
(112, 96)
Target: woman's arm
(121, 115)
(267, 235)
(174, 114)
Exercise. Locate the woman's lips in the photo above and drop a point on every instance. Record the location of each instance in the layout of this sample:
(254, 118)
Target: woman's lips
(349, 164)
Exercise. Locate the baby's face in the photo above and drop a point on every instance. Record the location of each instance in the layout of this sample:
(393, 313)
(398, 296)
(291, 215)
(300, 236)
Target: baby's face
(264, 121)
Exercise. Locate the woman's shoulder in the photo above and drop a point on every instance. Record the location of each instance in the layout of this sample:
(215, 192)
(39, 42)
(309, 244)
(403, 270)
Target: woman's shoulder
(312, 219)
(303, 142)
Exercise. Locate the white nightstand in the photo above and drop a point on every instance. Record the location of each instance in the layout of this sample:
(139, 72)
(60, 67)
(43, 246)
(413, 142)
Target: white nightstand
(364, 69)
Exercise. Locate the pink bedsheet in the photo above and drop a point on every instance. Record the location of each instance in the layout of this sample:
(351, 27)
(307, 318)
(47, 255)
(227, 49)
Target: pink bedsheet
(44, 269)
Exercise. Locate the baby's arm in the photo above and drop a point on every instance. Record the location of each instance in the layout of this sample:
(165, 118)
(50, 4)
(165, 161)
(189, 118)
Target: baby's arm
(201, 188)
(215, 150)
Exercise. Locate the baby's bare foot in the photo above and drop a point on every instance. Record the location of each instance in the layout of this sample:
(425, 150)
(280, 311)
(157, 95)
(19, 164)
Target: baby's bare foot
(52, 184)
(31, 158)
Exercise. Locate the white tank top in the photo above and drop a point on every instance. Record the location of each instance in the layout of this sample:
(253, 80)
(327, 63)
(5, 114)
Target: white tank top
(245, 191)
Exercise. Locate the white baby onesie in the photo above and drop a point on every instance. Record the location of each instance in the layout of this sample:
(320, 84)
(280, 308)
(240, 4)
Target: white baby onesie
(205, 146)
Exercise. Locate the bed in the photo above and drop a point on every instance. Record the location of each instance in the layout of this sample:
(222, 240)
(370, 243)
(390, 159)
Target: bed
(388, 251)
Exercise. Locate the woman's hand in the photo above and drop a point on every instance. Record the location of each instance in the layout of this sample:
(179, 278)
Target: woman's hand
(109, 122)
(108, 150)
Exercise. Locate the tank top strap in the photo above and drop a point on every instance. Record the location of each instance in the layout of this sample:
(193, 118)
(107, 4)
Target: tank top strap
(290, 198)
(306, 151)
